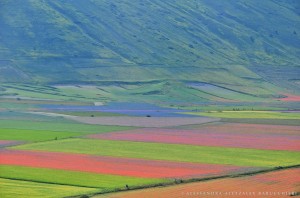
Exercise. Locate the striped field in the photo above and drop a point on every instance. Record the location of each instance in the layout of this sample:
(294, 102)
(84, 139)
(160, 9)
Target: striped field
(16, 188)
(73, 158)
(117, 166)
(207, 136)
(171, 152)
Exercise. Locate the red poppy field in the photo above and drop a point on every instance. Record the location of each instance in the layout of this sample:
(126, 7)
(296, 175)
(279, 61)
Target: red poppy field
(270, 138)
(244, 128)
(116, 166)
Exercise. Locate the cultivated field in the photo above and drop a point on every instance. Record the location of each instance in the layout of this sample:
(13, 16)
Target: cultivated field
(77, 154)
(171, 152)
(274, 184)
(222, 135)
(145, 121)
(251, 114)
(17, 188)
(116, 166)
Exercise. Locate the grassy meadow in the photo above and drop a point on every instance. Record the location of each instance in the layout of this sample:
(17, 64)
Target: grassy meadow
(35, 135)
(249, 114)
(80, 179)
(17, 188)
(58, 126)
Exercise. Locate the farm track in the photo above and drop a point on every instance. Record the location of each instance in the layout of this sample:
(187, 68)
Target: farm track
(43, 182)
(253, 173)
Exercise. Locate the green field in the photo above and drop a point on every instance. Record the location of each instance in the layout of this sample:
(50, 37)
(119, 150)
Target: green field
(249, 114)
(290, 122)
(35, 135)
(74, 178)
(174, 152)
(14, 188)
(59, 126)
(230, 107)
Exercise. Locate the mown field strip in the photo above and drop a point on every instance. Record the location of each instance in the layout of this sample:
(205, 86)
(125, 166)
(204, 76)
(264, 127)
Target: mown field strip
(274, 122)
(58, 126)
(206, 137)
(249, 114)
(116, 166)
(172, 152)
(35, 135)
(244, 128)
(273, 184)
(73, 178)
(15, 188)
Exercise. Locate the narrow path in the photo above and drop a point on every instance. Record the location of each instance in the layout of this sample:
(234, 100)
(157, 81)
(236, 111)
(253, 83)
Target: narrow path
(196, 180)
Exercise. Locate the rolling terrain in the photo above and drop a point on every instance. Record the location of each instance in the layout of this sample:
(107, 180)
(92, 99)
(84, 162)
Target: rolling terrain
(151, 50)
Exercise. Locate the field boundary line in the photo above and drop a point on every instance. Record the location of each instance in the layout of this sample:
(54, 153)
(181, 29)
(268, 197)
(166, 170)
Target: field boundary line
(192, 180)
(44, 182)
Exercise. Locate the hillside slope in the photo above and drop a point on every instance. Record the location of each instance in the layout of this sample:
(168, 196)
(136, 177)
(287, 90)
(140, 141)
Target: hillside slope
(248, 46)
